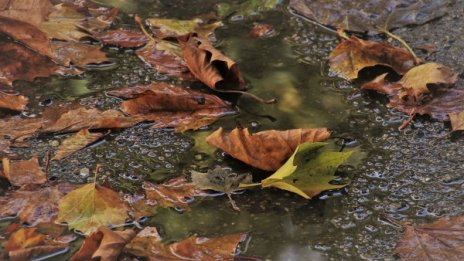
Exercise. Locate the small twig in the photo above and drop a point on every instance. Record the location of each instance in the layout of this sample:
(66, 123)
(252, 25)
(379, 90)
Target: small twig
(401, 41)
(406, 122)
(138, 20)
(97, 168)
(232, 202)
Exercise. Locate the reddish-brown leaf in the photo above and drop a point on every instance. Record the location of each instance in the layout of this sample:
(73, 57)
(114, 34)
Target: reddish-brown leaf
(31, 11)
(39, 205)
(76, 142)
(78, 54)
(13, 102)
(354, 54)
(266, 150)
(173, 28)
(210, 66)
(148, 244)
(261, 30)
(122, 38)
(19, 129)
(104, 245)
(23, 172)
(380, 84)
(440, 240)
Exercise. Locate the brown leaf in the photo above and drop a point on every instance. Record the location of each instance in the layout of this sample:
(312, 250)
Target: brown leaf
(21, 63)
(354, 54)
(76, 142)
(266, 150)
(23, 172)
(148, 244)
(31, 11)
(175, 193)
(261, 30)
(457, 121)
(380, 84)
(39, 205)
(122, 38)
(440, 240)
(173, 28)
(78, 54)
(19, 129)
(210, 66)
(104, 245)
(13, 102)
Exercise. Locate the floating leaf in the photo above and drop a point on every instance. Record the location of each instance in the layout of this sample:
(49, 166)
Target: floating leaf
(78, 141)
(23, 172)
(440, 240)
(91, 206)
(246, 9)
(173, 28)
(13, 102)
(308, 171)
(266, 150)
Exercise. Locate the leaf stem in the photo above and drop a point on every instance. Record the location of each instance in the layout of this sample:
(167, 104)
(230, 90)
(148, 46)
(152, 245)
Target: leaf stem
(401, 41)
(138, 20)
(97, 168)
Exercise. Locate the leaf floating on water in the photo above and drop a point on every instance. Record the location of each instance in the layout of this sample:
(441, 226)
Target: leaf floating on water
(366, 16)
(173, 28)
(353, 54)
(440, 240)
(308, 171)
(76, 142)
(13, 102)
(266, 150)
(23, 172)
(90, 207)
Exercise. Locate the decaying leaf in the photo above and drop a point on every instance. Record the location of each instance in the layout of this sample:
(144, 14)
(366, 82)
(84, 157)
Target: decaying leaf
(23, 172)
(266, 150)
(26, 244)
(457, 121)
(246, 9)
(122, 38)
(173, 28)
(91, 206)
(261, 30)
(353, 55)
(148, 244)
(210, 66)
(104, 245)
(39, 205)
(31, 11)
(13, 102)
(440, 240)
(78, 54)
(76, 142)
(175, 193)
(16, 128)
(308, 171)
(367, 16)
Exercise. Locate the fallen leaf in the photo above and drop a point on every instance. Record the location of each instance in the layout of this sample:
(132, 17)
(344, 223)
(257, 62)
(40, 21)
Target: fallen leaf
(13, 102)
(26, 244)
(23, 172)
(381, 85)
(367, 16)
(39, 205)
(247, 9)
(266, 150)
(91, 206)
(175, 193)
(122, 38)
(19, 129)
(210, 66)
(148, 244)
(457, 121)
(78, 54)
(308, 171)
(428, 48)
(76, 142)
(104, 245)
(173, 28)
(31, 11)
(353, 55)
(440, 240)
(261, 30)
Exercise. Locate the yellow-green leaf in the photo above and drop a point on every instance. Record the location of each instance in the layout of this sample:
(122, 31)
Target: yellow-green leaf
(90, 207)
(308, 171)
(165, 28)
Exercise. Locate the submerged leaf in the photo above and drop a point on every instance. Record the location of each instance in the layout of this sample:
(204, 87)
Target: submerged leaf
(266, 150)
(78, 141)
(90, 207)
(23, 172)
(440, 240)
(31, 11)
(308, 171)
(220, 179)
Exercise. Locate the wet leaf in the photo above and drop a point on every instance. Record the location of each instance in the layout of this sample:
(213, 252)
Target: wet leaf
(31, 11)
(457, 121)
(261, 30)
(366, 16)
(173, 28)
(26, 244)
(91, 206)
(246, 9)
(266, 150)
(78, 54)
(35, 206)
(440, 240)
(354, 54)
(175, 193)
(23, 172)
(76, 142)
(104, 245)
(220, 179)
(148, 244)
(13, 102)
(122, 38)
(19, 129)
(308, 171)
(210, 66)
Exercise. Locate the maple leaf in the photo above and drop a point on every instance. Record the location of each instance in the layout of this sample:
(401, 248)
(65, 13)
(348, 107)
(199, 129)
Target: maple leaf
(266, 150)
(23, 172)
(76, 142)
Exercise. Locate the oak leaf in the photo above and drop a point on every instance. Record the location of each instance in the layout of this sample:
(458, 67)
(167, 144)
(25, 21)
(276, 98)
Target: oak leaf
(23, 172)
(13, 102)
(266, 150)
(76, 142)
(439, 240)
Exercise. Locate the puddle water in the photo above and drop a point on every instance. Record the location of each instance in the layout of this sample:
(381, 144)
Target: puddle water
(410, 175)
